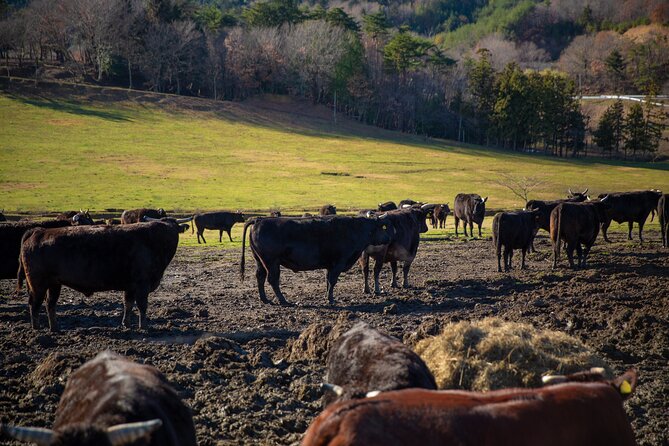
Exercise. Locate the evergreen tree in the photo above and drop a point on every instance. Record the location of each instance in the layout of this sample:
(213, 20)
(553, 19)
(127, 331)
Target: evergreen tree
(338, 17)
(609, 132)
(405, 52)
(615, 65)
(272, 13)
(635, 134)
(375, 25)
(482, 90)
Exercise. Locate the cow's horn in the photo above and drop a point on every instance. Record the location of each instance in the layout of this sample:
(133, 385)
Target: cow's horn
(585, 191)
(130, 432)
(37, 435)
(372, 394)
(604, 199)
(598, 370)
(147, 218)
(338, 390)
(425, 206)
(184, 220)
(553, 379)
(570, 192)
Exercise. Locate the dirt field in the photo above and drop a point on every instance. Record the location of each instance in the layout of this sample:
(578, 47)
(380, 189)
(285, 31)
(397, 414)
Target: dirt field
(236, 362)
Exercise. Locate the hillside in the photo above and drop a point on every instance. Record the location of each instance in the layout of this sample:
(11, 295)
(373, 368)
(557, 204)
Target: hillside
(66, 147)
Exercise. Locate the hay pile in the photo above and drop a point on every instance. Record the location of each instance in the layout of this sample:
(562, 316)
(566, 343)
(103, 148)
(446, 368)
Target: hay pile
(492, 354)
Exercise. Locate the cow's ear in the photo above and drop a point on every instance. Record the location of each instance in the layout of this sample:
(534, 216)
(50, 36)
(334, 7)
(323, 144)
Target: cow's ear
(626, 383)
(485, 199)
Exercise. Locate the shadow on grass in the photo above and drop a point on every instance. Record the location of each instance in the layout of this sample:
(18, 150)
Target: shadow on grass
(73, 108)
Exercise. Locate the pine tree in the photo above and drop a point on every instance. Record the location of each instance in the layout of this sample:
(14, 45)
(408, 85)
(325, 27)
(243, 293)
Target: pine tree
(609, 132)
(615, 65)
(482, 89)
(635, 134)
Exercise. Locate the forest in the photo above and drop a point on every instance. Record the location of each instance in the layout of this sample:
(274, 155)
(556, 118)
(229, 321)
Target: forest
(499, 73)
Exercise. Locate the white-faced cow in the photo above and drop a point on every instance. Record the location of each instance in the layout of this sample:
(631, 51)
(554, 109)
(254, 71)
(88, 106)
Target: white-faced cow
(304, 244)
(663, 215)
(513, 230)
(138, 215)
(571, 413)
(112, 401)
(88, 259)
(630, 207)
(409, 223)
(577, 224)
(470, 208)
(220, 221)
(363, 360)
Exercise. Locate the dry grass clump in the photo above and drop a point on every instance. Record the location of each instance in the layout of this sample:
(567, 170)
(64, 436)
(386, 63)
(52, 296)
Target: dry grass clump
(491, 354)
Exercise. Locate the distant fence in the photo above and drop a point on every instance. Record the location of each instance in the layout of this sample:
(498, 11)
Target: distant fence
(627, 97)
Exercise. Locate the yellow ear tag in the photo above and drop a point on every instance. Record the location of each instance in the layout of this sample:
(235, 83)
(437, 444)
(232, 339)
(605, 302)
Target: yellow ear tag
(625, 388)
(384, 227)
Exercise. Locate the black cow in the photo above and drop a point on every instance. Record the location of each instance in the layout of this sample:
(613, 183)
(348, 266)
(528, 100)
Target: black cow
(578, 225)
(663, 215)
(514, 230)
(387, 206)
(327, 209)
(275, 214)
(439, 215)
(112, 401)
(408, 224)
(221, 221)
(407, 203)
(305, 244)
(77, 218)
(470, 208)
(2, 215)
(137, 215)
(630, 207)
(546, 207)
(363, 360)
(10, 242)
(129, 258)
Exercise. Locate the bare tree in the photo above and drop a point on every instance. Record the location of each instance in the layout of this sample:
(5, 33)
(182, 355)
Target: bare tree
(520, 186)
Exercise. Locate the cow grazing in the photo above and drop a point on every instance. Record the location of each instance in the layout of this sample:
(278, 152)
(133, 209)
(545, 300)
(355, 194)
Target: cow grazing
(112, 401)
(513, 230)
(305, 244)
(573, 413)
(10, 242)
(221, 221)
(663, 215)
(409, 223)
(578, 225)
(470, 208)
(439, 215)
(128, 258)
(387, 206)
(364, 360)
(327, 209)
(137, 215)
(630, 207)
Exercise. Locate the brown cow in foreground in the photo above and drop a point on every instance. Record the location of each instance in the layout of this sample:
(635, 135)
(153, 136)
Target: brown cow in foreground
(571, 413)
(112, 401)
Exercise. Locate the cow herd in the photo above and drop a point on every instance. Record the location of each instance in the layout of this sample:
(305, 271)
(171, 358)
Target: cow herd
(382, 393)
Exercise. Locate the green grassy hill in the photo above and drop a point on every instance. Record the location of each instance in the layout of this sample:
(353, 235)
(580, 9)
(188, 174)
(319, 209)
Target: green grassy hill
(66, 148)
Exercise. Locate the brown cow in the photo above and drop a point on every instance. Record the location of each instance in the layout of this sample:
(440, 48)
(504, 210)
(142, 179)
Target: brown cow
(439, 215)
(327, 209)
(572, 413)
(629, 207)
(470, 208)
(137, 215)
(221, 221)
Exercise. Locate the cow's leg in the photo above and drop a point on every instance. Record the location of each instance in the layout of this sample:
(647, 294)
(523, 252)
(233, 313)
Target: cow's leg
(405, 270)
(230, 235)
(274, 279)
(36, 296)
(586, 253)
(605, 227)
(378, 266)
(128, 302)
(333, 276)
(198, 236)
(220, 236)
(570, 254)
(201, 234)
(261, 276)
(464, 227)
(142, 298)
(54, 293)
(499, 259)
(641, 231)
(579, 252)
(457, 223)
(506, 258)
(630, 225)
(522, 262)
(393, 268)
(510, 258)
(364, 266)
(480, 236)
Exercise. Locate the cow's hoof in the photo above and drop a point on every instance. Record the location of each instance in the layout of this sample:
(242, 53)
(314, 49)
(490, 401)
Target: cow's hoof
(285, 303)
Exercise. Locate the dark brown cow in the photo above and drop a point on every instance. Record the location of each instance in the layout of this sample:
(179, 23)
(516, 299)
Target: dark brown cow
(514, 230)
(663, 215)
(363, 360)
(439, 215)
(546, 207)
(77, 218)
(387, 206)
(275, 214)
(10, 242)
(630, 207)
(578, 225)
(305, 244)
(327, 209)
(409, 223)
(128, 258)
(137, 215)
(221, 221)
(407, 203)
(112, 221)
(470, 208)
(572, 413)
(112, 401)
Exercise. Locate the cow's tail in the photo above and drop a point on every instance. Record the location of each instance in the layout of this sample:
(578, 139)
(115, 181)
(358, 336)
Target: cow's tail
(558, 242)
(249, 222)
(497, 240)
(20, 276)
(652, 214)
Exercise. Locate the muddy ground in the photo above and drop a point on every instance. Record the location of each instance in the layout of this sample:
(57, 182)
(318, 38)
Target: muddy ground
(235, 361)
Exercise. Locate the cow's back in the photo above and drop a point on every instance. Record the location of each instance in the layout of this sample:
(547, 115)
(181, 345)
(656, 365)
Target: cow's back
(576, 222)
(11, 234)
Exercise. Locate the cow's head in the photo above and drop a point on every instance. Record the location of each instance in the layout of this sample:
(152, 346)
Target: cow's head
(383, 232)
(162, 213)
(578, 196)
(82, 218)
(445, 209)
(602, 206)
(84, 435)
(179, 223)
(624, 384)
(537, 217)
(479, 208)
(239, 217)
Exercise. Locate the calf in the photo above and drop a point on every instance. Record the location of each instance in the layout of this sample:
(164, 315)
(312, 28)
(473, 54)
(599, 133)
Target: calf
(128, 258)
(629, 207)
(363, 360)
(439, 216)
(138, 215)
(305, 244)
(327, 209)
(572, 413)
(409, 223)
(578, 225)
(514, 230)
(663, 215)
(221, 221)
(112, 401)
(470, 208)
(387, 206)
